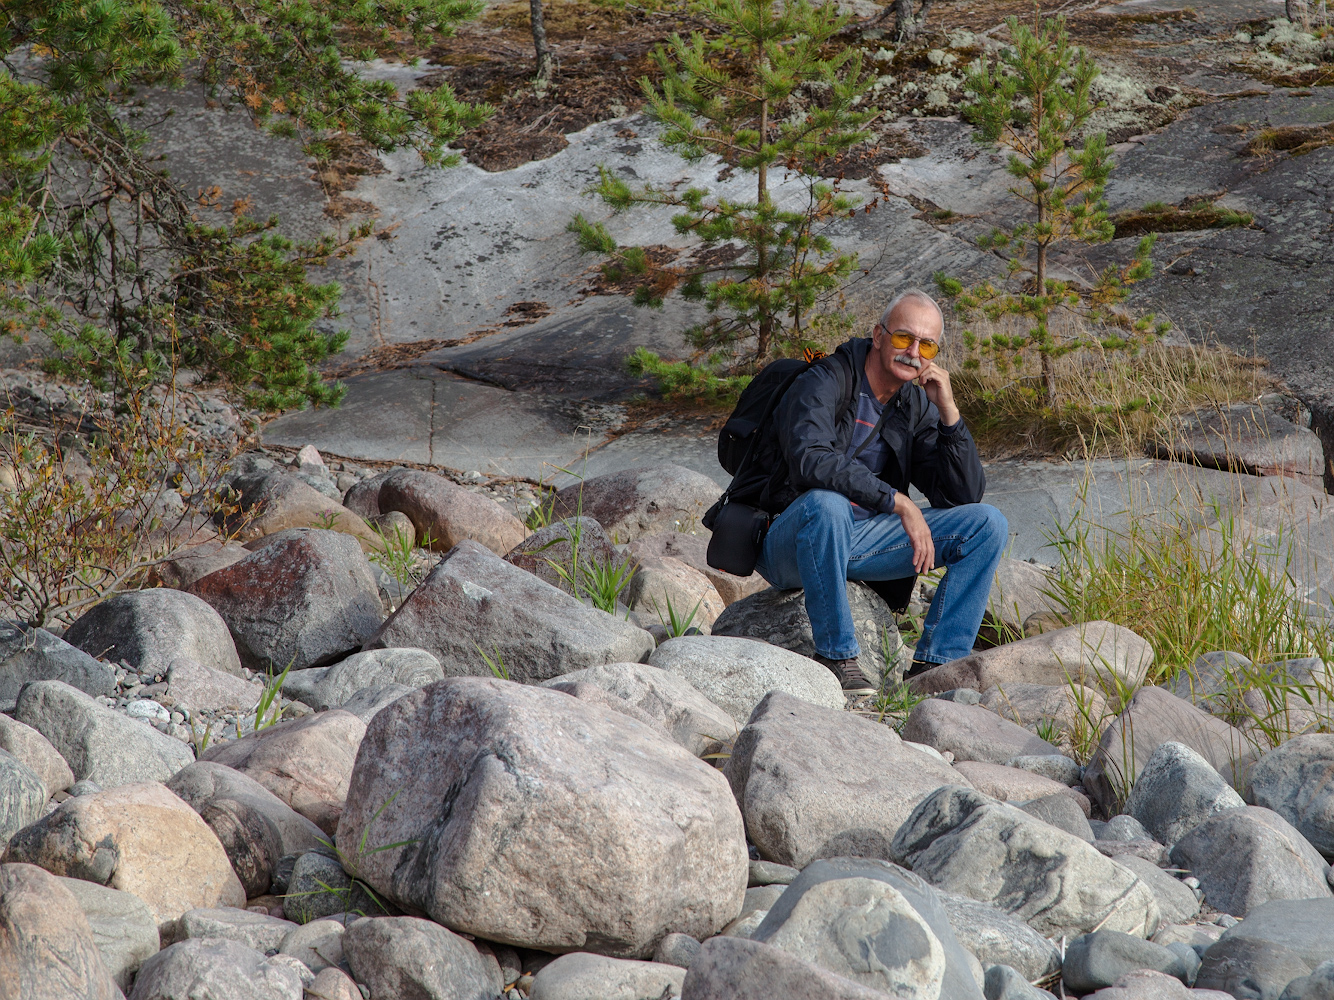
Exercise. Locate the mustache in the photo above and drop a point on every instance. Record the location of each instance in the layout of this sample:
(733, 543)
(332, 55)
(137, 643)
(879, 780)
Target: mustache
(909, 360)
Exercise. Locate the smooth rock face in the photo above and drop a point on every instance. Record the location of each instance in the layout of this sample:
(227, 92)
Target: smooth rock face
(284, 502)
(1153, 717)
(663, 586)
(692, 719)
(1296, 780)
(997, 938)
(305, 598)
(22, 796)
(150, 628)
(736, 674)
(1176, 901)
(1095, 960)
(640, 501)
(730, 968)
(137, 838)
(47, 951)
(1062, 812)
(333, 984)
(539, 631)
(100, 745)
(874, 923)
(1062, 769)
(1004, 983)
(1177, 791)
(1082, 653)
(1146, 984)
(779, 617)
(582, 976)
(540, 788)
(214, 968)
(1246, 437)
(34, 654)
(1248, 856)
(122, 926)
(254, 930)
(964, 842)
(1277, 942)
(1008, 783)
(35, 750)
(318, 944)
(305, 762)
(676, 949)
(407, 956)
(693, 550)
(446, 513)
(800, 799)
(971, 732)
(412, 668)
(557, 543)
(203, 688)
(369, 700)
(254, 826)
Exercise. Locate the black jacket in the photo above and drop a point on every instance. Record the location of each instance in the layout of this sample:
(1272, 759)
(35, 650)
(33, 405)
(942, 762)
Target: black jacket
(813, 439)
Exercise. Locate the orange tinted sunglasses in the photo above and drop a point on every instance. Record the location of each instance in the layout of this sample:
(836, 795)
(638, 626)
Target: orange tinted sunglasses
(902, 340)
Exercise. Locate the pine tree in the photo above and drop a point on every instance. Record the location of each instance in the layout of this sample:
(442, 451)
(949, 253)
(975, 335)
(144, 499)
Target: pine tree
(732, 95)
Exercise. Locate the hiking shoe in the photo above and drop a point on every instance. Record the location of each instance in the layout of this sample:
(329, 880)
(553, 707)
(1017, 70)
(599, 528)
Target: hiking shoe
(918, 667)
(850, 675)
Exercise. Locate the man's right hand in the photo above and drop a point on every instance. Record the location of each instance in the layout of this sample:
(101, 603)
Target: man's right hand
(923, 546)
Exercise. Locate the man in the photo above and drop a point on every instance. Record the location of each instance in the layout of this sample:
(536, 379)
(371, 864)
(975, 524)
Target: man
(846, 514)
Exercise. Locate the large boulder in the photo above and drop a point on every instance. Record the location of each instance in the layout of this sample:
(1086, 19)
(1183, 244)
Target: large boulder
(1296, 780)
(254, 930)
(410, 957)
(411, 668)
(216, 969)
(22, 796)
(692, 719)
(271, 501)
(1177, 791)
(254, 826)
(445, 514)
(1098, 654)
(581, 976)
(35, 750)
(205, 689)
(1154, 717)
(34, 654)
(564, 543)
(474, 603)
(641, 501)
(874, 923)
(47, 951)
(1247, 856)
(997, 938)
(693, 550)
(100, 745)
(663, 587)
(1013, 784)
(799, 797)
(1278, 942)
(1017, 594)
(305, 762)
(1176, 900)
(779, 617)
(962, 841)
(971, 732)
(1095, 960)
(545, 795)
(732, 968)
(149, 628)
(736, 674)
(187, 566)
(123, 927)
(305, 598)
(1246, 437)
(137, 838)
(1076, 710)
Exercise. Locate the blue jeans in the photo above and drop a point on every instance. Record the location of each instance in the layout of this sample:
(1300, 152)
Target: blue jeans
(815, 544)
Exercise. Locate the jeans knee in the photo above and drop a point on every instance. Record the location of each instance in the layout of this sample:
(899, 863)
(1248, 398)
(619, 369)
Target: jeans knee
(994, 529)
(826, 506)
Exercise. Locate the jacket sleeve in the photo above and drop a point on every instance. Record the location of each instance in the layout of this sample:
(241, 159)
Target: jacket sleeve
(945, 463)
(807, 428)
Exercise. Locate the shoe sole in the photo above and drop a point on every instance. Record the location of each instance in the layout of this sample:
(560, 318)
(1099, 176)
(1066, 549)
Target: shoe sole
(859, 690)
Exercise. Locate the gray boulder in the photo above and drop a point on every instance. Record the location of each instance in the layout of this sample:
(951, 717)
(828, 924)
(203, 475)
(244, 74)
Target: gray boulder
(1248, 856)
(1296, 780)
(676, 949)
(962, 841)
(1319, 985)
(318, 944)
(217, 969)
(1176, 901)
(410, 957)
(1095, 960)
(1061, 811)
(34, 654)
(800, 799)
(772, 873)
(122, 926)
(971, 732)
(1177, 791)
(369, 700)
(412, 668)
(254, 930)
(35, 750)
(779, 617)
(99, 744)
(542, 790)
(490, 605)
(1278, 942)
(558, 543)
(873, 923)
(1246, 437)
(1005, 983)
(255, 827)
(692, 719)
(1058, 767)
(22, 796)
(149, 628)
(995, 937)
(731, 968)
(202, 688)
(320, 887)
(1212, 681)
(736, 674)
(693, 550)
(444, 513)
(305, 597)
(1123, 828)
(583, 976)
(640, 501)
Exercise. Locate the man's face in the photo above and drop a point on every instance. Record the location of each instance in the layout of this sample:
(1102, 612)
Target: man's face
(909, 318)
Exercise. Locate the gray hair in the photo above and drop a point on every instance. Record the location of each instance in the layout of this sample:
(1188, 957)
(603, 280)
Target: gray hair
(916, 295)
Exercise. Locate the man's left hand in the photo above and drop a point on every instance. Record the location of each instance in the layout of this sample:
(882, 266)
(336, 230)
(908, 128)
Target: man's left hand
(936, 381)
